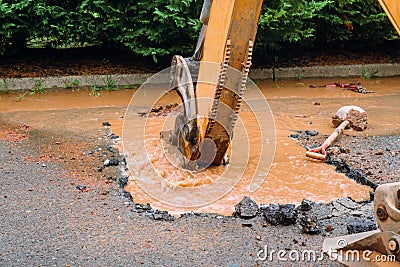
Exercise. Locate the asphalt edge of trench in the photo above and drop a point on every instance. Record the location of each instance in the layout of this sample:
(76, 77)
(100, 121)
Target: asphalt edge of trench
(311, 217)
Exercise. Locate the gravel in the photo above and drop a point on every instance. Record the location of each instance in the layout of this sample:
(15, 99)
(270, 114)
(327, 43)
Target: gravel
(370, 160)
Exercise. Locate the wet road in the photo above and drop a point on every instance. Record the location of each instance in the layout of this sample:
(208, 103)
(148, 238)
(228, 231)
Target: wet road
(46, 221)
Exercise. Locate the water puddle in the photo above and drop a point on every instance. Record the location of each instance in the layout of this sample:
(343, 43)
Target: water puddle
(67, 110)
(292, 176)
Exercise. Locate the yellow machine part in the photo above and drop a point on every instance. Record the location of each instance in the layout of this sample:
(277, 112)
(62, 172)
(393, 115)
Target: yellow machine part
(232, 23)
(392, 10)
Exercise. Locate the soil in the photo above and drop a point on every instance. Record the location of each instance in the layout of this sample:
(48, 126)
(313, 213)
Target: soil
(357, 120)
(79, 61)
(99, 60)
(15, 133)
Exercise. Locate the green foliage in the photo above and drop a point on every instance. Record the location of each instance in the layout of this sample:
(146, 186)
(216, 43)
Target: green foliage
(322, 22)
(21, 97)
(290, 21)
(131, 86)
(354, 21)
(74, 83)
(368, 74)
(299, 77)
(4, 87)
(158, 28)
(95, 90)
(12, 24)
(38, 88)
(161, 27)
(110, 84)
(149, 28)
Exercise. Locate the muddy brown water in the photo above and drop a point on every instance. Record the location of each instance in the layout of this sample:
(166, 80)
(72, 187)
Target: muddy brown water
(292, 176)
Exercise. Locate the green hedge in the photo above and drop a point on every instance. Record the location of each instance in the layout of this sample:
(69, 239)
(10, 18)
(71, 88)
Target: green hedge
(165, 27)
(322, 23)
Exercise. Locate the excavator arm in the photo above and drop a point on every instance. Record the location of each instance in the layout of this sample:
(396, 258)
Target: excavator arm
(392, 10)
(221, 64)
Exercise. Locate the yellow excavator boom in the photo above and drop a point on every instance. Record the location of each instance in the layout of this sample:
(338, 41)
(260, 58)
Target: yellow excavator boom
(392, 10)
(222, 61)
(212, 103)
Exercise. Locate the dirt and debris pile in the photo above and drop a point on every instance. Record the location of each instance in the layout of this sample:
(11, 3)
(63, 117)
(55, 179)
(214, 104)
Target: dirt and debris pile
(304, 134)
(122, 181)
(358, 119)
(14, 133)
(369, 160)
(310, 224)
(149, 212)
(161, 216)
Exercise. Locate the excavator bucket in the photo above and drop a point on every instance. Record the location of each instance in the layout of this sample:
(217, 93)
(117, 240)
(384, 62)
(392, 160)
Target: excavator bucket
(375, 248)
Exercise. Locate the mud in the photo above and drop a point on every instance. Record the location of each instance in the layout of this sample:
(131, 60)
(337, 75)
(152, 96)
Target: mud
(63, 131)
(159, 110)
(290, 173)
(293, 177)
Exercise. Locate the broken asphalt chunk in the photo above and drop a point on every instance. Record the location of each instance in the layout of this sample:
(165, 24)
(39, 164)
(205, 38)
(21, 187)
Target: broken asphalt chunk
(280, 214)
(247, 208)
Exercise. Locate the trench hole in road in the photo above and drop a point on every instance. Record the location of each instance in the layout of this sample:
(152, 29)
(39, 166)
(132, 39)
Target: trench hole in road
(292, 177)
